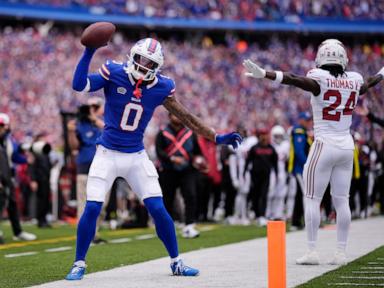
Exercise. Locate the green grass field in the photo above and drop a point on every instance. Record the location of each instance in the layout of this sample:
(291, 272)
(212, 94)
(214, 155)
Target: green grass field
(46, 266)
(369, 268)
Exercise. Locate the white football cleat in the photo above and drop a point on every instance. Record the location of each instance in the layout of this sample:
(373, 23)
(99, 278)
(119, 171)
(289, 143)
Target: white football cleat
(340, 258)
(310, 258)
(25, 236)
(190, 231)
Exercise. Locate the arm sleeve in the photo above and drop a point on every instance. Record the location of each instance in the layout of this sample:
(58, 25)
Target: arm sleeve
(299, 142)
(84, 82)
(375, 119)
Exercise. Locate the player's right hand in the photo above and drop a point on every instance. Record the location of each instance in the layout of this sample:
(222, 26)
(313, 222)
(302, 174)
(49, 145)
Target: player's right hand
(253, 69)
(234, 139)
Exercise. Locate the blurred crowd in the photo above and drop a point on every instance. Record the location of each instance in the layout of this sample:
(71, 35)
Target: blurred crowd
(37, 73)
(248, 10)
(35, 92)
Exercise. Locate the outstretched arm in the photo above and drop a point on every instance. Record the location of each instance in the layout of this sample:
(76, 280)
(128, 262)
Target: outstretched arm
(302, 82)
(372, 81)
(197, 126)
(82, 82)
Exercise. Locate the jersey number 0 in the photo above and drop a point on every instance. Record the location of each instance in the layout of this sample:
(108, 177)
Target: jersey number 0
(328, 112)
(127, 123)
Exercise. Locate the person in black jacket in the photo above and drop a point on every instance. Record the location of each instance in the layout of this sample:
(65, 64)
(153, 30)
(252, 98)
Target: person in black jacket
(262, 158)
(10, 153)
(176, 148)
(40, 171)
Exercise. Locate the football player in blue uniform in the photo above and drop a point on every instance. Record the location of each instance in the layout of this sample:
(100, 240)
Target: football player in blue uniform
(132, 91)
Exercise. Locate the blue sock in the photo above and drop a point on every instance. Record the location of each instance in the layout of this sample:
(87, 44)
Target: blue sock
(87, 228)
(164, 224)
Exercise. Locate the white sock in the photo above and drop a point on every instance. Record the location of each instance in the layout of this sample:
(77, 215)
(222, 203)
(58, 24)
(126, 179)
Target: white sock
(80, 263)
(343, 221)
(312, 221)
(173, 260)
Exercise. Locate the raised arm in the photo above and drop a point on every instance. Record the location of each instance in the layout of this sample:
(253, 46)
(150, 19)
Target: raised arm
(197, 126)
(82, 82)
(302, 82)
(372, 81)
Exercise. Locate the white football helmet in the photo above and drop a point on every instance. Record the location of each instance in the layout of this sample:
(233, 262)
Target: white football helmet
(331, 52)
(332, 41)
(145, 59)
(278, 134)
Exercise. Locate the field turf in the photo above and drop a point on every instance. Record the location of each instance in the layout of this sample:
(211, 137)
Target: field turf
(367, 271)
(44, 266)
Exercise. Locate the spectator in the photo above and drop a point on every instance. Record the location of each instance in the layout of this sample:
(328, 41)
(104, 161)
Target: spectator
(40, 171)
(82, 136)
(10, 154)
(176, 147)
(300, 143)
(209, 182)
(261, 161)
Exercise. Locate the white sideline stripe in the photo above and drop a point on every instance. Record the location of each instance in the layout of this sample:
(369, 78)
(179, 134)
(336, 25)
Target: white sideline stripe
(355, 284)
(120, 240)
(145, 236)
(375, 263)
(368, 272)
(380, 258)
(218, 270)
(20, 254)
(373, 268)
(59, 249)
(362, 277)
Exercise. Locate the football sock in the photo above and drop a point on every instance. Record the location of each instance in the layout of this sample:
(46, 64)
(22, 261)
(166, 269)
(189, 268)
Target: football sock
(165, 228)
(87, 228)
(312, 221)
(343, 221)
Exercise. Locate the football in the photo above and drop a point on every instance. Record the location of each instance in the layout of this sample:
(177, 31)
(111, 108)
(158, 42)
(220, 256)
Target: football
(97, 34)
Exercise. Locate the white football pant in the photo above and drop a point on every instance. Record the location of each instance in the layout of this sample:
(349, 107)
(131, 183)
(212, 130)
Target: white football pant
(327, 164)
(135, 168)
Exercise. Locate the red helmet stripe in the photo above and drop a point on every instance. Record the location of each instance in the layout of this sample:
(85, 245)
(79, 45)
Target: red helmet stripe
(152, 46)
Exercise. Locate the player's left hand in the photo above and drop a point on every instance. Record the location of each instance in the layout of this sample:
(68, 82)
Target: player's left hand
(253, 69)
(234, 139)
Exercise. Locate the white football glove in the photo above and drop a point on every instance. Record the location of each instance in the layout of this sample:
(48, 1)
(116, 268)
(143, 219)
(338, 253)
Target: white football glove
(381, 72)
(253, 69)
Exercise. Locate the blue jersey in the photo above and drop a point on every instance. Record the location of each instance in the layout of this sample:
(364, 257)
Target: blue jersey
(87, 134)
(126, 115)
(300, 144)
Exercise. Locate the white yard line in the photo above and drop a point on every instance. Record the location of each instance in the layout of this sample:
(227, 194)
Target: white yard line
(145, 237)
(20, 254)
(120, 240)
(362, 277)
(58, 249)
(356, 284)
(237, 265)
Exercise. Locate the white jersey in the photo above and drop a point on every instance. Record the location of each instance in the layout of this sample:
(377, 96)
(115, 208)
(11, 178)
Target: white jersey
(333, 107)
(282, 150)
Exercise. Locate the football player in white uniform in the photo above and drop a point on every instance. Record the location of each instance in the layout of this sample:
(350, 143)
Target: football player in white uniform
(334, 92)
(278, 183)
